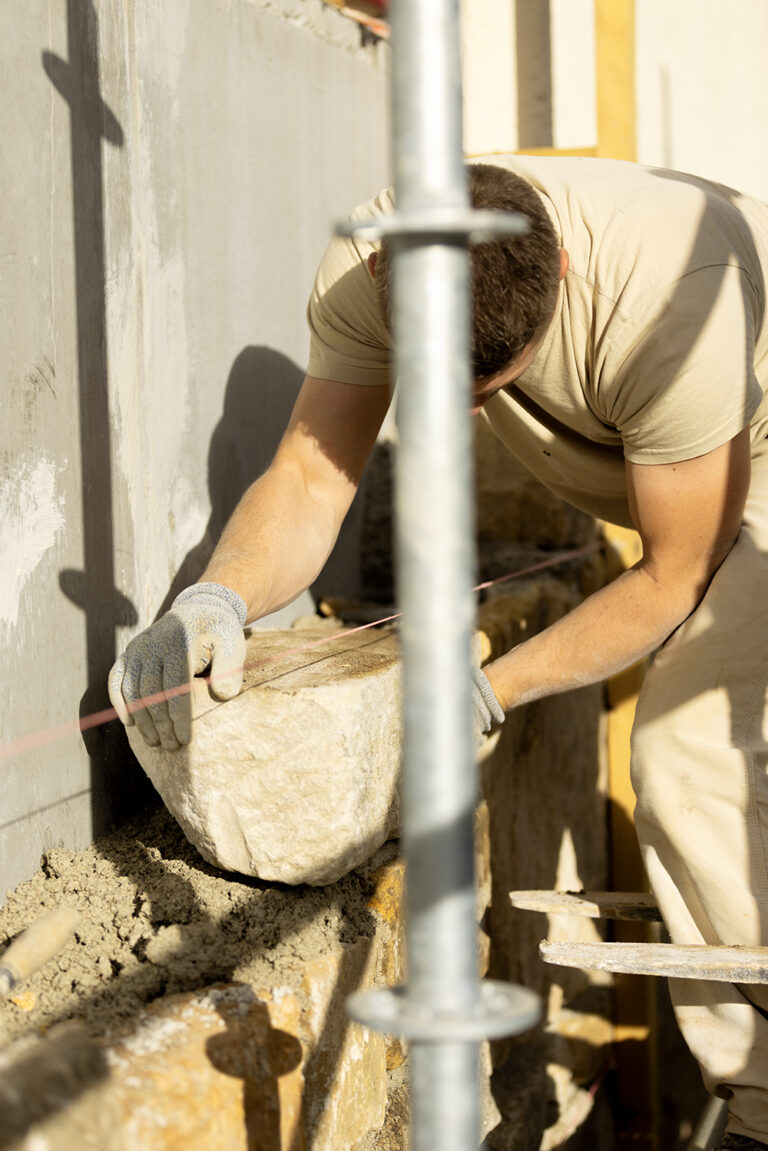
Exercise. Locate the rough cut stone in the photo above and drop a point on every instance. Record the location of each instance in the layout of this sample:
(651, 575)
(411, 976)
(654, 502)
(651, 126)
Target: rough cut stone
(346, 1073)
(224, 1067)
(209, 1069)
(269, 1065)
(295, 779)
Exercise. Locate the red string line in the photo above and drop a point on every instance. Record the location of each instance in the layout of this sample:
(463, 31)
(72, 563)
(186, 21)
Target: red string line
(36, 739)
(560, 558)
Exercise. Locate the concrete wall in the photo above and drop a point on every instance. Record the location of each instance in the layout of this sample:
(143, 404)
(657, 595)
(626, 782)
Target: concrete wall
(702, 89)
(171, 171)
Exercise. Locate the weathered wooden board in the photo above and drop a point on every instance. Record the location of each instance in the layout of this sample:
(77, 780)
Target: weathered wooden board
(593, 904)
(724, 964)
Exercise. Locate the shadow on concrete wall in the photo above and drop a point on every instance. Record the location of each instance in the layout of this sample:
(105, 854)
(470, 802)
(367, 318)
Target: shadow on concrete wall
(261, 389)
(260, 393)
(104, 607)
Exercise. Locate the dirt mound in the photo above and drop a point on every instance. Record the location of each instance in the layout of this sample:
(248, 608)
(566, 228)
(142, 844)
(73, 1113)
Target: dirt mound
(157, 919)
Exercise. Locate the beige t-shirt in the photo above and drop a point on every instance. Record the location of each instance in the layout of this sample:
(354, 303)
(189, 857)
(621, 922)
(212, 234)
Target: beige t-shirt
(658, 350)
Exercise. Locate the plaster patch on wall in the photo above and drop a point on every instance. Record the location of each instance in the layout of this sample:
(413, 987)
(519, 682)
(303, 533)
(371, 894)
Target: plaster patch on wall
(31, 517)
(151, 409)
(146, 302)
(164, 26)
(152, 417)
(170, 470)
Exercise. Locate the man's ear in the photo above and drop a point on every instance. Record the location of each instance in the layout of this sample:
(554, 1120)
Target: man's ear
(372, 264)
(565, 262)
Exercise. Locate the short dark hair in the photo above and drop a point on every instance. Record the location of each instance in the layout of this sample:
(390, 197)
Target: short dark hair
(514, 281)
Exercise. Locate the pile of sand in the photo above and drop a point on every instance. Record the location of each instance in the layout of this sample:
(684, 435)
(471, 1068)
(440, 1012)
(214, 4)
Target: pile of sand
(157, 919)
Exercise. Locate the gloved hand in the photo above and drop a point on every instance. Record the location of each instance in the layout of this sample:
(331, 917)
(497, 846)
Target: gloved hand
(486, 709)
(203, 626)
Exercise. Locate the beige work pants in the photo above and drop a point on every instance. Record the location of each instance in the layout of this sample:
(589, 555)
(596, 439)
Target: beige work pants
(700, 771)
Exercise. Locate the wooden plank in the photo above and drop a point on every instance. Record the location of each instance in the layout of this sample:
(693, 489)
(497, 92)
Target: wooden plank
(723, 964)
(636, 905)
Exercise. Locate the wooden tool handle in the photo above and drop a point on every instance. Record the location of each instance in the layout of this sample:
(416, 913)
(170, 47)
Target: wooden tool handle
(36, 946)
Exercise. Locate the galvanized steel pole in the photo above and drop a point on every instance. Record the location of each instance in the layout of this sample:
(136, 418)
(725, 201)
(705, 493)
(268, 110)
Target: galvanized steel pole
(443, 1011)
(435, 534)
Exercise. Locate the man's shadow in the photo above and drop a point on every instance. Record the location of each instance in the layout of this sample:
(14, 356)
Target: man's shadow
(261, 390)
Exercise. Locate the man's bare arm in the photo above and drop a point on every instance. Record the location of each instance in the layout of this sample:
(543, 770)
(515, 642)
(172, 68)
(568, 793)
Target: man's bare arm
(688, 516)
(286, 524)
(275, 544)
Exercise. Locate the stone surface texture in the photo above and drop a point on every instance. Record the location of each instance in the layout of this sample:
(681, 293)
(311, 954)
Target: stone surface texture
(296, 778)
(221, 1068)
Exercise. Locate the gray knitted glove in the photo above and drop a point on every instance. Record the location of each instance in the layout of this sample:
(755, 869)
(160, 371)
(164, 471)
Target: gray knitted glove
(204, 626)
(486, 709)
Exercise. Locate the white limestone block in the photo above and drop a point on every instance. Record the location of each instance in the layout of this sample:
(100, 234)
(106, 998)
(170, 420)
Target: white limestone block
(294, 780)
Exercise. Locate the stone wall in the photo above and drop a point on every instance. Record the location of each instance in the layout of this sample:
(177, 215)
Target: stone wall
(193, 1006)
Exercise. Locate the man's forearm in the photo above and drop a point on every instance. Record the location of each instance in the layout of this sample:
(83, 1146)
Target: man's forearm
(688, 515)
(608, 632)
(275, 543)
(286, 524)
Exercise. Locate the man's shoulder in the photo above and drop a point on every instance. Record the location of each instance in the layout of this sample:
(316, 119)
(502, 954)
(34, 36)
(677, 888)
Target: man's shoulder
(564, 169)
(626, 182)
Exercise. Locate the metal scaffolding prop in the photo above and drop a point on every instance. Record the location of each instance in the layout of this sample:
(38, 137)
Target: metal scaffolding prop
(444, 1011)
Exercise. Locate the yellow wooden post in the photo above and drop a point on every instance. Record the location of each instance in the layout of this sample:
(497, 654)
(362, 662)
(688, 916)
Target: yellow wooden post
(615, 50)
(635, 997)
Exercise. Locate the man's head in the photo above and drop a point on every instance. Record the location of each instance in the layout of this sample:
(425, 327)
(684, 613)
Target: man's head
(514, 281)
